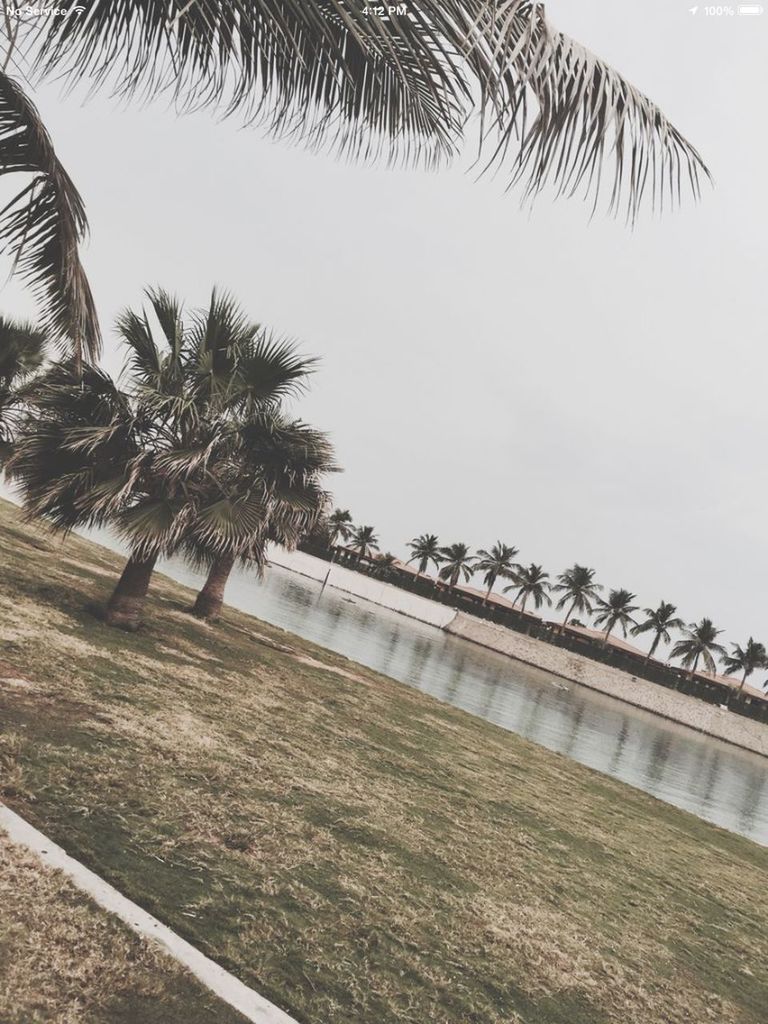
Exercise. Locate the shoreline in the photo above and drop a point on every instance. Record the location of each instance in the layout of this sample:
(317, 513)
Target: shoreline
(680, 708)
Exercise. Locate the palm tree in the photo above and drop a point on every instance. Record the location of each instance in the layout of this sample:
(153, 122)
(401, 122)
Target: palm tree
(457, 563)
(22, 349)
(382, 568)
(617, 610)
(339, 526)
(579, 590)
(745, 660)
(264, 487)
(660, 621)
(140, 459)
(700, 642)
(364, 541)
(424, 549)
(531, 582)
(494, 563)
(330, 74)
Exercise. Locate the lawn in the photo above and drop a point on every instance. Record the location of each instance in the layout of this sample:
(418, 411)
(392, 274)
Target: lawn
(64, 960)
(352, 848)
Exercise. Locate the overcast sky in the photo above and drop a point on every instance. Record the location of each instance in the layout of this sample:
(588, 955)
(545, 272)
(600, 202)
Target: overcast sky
(583, 391)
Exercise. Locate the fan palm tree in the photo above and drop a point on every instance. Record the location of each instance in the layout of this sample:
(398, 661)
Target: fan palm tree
(579, 590)
(330, 73)
(364, 541)
(616, 611)
(22, 349)
(139, 459)
(457, 561)
(264, 486)
(339, 526)
(745, 660)
(660, 621)
(533, 582)
(699, 643)
(495, 563)
(424, 549)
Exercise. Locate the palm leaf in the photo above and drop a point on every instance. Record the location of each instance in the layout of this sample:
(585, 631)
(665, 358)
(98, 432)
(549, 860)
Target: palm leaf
(43, 225)
(329, 72)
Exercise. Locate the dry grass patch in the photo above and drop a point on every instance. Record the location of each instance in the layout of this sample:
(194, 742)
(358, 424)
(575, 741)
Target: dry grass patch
(64, 961)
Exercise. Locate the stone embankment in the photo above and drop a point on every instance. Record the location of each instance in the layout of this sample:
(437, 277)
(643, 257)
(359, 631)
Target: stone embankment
(679, 707)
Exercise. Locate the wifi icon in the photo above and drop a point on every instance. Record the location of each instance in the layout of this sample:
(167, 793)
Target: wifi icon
(77, 10)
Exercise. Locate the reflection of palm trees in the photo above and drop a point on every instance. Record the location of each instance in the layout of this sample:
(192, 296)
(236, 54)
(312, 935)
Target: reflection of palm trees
(712, 777)
(661, 748)
(621, 742)
(389, 653)
(528, 727)
(421, 651)
(492, 681)
(575, 728)
(756, 782)
(455, 678)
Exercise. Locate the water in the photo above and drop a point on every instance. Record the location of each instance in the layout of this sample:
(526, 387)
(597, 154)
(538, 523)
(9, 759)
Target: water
(715, 780)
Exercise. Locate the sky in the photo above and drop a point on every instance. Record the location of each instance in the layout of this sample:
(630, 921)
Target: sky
(582, 390)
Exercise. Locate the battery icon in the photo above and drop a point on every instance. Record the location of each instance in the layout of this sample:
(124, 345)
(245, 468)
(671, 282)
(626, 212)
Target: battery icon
(750, 8)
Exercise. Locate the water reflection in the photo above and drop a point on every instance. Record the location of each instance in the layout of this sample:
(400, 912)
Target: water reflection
(717, 781)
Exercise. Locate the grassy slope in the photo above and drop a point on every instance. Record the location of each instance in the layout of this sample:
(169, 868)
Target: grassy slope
(64, 960)
(350, 847)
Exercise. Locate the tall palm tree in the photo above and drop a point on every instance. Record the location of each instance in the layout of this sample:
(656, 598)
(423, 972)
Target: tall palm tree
(330, 73)
(364, 541)
(139, 458)
(495, 563)
(339, 526)
(579, 590)
(22, 349)
(699, 643)
(616, 611)
(533, 582)
(660, 621)
(457, 560)
(424, 549)
(745, 660)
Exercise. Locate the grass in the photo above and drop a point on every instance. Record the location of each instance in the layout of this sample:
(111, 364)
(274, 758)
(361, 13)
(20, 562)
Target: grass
(355, 850)
(64, 960)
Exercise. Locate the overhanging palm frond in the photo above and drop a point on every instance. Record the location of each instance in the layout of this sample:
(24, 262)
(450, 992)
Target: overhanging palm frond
(43, 225)
(332, 72)
(322, 70)
(587, 115)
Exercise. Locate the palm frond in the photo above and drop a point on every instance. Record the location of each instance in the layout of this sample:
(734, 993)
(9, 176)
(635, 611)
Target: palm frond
(331, 72)
(42, 227)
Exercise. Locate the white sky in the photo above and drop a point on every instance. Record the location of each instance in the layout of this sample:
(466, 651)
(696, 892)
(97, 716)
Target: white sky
(586, 392)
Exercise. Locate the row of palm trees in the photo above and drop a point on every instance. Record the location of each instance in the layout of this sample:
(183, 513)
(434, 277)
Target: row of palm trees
(578, 593)
(191, 453)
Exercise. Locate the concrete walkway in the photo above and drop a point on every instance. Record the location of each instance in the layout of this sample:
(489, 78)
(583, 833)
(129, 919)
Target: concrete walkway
(228, 988)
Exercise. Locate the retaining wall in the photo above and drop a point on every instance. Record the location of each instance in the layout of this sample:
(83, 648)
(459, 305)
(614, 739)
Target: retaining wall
(690, 711)
(351, 582)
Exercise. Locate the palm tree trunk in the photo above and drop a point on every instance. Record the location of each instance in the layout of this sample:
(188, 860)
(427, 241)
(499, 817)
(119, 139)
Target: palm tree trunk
(693, 667)
(564, 623)
(652, 651)
(606, 634)
(211, 597)
(127, 601)
(488, 592)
